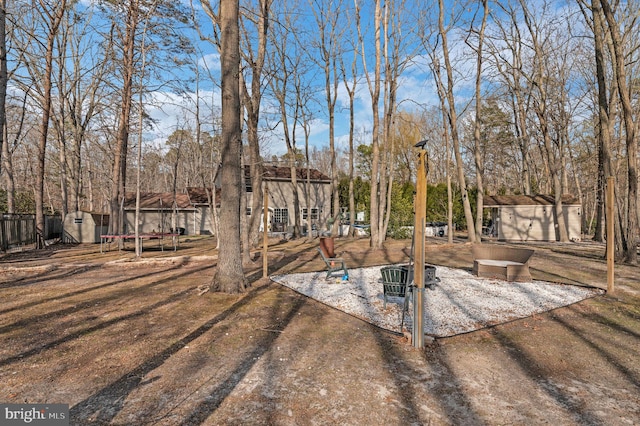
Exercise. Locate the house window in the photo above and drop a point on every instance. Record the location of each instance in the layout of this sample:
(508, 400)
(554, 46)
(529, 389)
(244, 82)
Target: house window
(248, 211)
(77, 220)
(281, 216)
(314, 213)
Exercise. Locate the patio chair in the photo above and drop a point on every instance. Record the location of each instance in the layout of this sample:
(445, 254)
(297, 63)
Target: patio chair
(394, 283)
(334, 264)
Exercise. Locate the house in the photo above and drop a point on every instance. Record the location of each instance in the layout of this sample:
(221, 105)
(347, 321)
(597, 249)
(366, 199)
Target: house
(201, 199)
(159, 213)
(190, 212)
(281, 197)
(531, 217)
(84, 227)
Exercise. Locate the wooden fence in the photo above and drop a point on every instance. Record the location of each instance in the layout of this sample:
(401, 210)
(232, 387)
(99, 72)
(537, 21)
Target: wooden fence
(18, 230)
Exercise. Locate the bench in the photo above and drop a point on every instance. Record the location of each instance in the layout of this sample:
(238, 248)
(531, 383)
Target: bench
(334, 264)
(507, 263)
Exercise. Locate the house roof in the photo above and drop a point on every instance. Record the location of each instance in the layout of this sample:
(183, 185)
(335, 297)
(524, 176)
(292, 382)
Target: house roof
(283, 173)
(526, 200)
(157, 201)
(199, 195)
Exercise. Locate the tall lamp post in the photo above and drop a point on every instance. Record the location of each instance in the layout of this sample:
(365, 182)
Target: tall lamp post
(420, 206)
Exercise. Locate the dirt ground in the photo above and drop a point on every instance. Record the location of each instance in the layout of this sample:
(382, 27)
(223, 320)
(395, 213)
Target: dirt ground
(135, 342)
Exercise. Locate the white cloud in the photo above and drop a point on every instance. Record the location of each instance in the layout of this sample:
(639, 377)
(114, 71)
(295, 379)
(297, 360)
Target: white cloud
(171, 112)
(210, 62)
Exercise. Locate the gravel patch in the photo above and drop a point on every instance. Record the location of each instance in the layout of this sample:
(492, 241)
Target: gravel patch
(459, 303)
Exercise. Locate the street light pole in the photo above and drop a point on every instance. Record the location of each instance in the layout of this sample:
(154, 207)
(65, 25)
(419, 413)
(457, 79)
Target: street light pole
(420, 205)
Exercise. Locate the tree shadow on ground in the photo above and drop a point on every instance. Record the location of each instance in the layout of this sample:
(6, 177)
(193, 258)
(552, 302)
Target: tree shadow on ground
(210, 404)
(80, 291)
(538, 374)
(108, 402)
(45, 317)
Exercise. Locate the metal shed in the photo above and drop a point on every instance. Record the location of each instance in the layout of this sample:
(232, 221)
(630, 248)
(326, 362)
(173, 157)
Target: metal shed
(84, 227)
(531, 217)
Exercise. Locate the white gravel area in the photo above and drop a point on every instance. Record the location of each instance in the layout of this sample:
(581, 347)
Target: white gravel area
(459, 303)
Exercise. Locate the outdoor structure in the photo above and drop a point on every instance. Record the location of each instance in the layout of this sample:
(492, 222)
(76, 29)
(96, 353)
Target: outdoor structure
(190, 213)
(281, 197)
(531, 217)
(201, 199)
(159, 213)
(84, 227)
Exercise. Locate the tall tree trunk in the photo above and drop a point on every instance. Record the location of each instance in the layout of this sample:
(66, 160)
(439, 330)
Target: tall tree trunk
(229, 277)
(352, 123)
(630, 241)
(453, 123)
(478, 154)
(3, 76)
(56, 17)
(377, 238)
(119, 171)
(251, 100)
(7, 166)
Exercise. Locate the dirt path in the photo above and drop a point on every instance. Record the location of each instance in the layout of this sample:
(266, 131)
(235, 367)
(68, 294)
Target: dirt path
(136, 342)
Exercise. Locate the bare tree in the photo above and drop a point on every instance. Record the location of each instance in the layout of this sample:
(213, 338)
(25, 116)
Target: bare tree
(541, 79)
(397, 42)
(351, 90)
(326, 54)
(373, 82)
(286, 68)
(127, 42)
(603, 129)
(229, 277)
(452, 116)
(81, 83)
(3, 73)
(51, 18)
(506, 48)
(127, 19)
(251, 90)
(630, 236)
(478, 154)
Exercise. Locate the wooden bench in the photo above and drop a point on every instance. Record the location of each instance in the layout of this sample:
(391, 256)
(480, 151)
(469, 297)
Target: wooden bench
(507, 263)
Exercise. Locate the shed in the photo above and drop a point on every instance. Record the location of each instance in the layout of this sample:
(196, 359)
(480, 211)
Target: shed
(84, 227)
(531, 217)
(159, 212)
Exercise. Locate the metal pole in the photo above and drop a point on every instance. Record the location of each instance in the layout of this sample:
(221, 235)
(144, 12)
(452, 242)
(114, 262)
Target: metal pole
(419, 225)
(610, 234)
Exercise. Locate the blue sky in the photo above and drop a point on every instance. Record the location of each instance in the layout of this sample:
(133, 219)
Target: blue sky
(416, 90)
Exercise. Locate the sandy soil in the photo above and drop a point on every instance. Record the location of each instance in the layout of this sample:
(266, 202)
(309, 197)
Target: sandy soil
(126, 342)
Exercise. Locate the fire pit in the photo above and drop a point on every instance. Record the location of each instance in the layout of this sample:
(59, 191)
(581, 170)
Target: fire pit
(430, 278)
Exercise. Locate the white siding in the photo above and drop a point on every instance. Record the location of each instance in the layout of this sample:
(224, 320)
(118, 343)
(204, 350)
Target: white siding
(536, 223)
